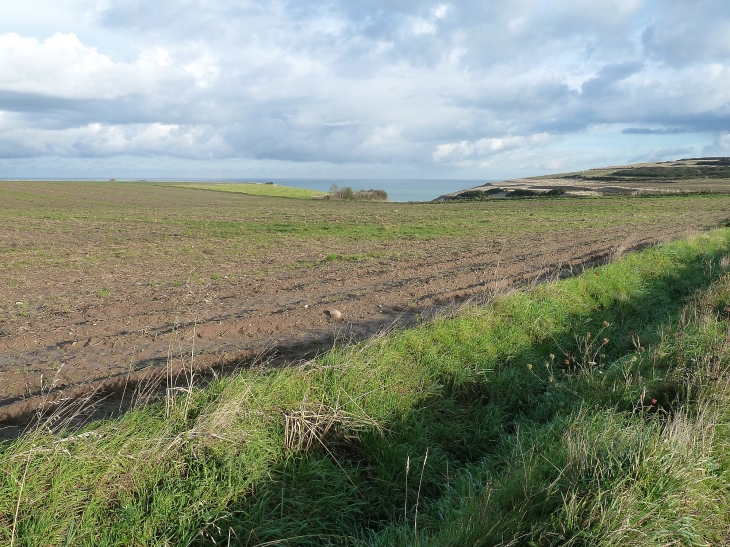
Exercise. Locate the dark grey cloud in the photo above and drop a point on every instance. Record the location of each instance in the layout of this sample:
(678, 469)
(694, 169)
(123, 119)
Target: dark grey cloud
(607, 80)
(59, 113)
(648, 131)
(715, 121)
(662, 154)
(684, 32)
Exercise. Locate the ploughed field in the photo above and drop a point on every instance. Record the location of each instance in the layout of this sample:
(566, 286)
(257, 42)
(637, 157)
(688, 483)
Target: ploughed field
(117, 281)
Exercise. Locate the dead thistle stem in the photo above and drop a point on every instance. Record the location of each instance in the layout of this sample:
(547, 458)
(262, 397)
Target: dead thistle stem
(20, 497)
(126, 382)
(192, 351)
(418, 497)
(405, 507)
(169, 378)
(621, 248)
(190, 378)
(45, 395)
(496, 268)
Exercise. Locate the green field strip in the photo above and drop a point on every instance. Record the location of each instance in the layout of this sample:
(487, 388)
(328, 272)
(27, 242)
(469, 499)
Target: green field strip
(256, 189)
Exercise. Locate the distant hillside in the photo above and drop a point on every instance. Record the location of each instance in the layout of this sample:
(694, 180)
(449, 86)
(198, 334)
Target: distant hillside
(680, 176)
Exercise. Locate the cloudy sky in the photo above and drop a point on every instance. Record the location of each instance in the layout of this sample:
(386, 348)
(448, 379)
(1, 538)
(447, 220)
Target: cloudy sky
(478, 89)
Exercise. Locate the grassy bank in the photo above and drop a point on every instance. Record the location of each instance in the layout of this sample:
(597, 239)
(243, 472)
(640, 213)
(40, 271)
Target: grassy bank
(584, 412)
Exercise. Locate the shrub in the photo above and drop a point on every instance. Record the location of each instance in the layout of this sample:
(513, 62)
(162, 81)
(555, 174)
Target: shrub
(472, 194)
(347, 194)
(521, 193)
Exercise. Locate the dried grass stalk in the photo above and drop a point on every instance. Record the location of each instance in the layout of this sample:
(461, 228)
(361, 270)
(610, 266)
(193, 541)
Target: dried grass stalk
(320, 422)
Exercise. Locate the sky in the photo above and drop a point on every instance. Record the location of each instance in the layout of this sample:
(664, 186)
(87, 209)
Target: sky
(470, 89)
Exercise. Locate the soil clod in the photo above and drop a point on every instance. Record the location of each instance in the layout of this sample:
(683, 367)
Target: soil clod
(333, 313)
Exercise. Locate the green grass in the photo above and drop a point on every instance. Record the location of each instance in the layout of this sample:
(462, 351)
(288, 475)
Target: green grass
(257, 189)
(590, 411)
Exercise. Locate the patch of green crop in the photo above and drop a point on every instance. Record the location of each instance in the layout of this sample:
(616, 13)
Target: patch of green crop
(350, 258)
(257, 189)
(104, 293)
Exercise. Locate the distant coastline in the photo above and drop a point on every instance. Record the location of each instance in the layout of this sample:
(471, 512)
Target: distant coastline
(398, 189)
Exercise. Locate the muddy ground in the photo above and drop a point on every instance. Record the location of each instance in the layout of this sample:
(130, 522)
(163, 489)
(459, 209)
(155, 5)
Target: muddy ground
(110, 323)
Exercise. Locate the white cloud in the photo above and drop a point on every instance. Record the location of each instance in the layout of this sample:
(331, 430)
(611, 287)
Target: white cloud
(109, 140)
(483, 148)
(721, 146)
(416, 85)
(421, 26)
(383, 136)
(440, 11)
(61, 66)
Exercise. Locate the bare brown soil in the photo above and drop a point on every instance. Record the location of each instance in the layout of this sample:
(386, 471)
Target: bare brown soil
(124, 317)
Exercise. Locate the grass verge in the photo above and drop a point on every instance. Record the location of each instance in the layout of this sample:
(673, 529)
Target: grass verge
(584, 412)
